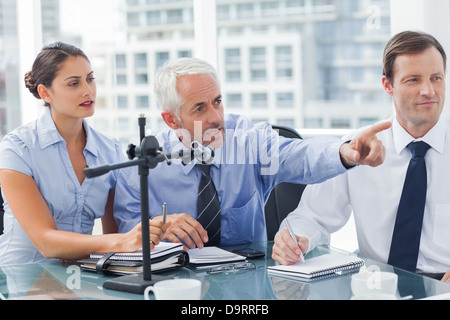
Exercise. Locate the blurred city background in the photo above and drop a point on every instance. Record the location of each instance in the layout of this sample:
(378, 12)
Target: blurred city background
(314, 65)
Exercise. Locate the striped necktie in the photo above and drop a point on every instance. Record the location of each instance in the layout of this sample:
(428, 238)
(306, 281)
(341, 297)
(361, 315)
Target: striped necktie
(408, 224)
(208, 206)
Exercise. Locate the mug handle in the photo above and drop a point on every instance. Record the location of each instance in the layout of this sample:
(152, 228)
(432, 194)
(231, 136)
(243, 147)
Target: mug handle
(146, 292)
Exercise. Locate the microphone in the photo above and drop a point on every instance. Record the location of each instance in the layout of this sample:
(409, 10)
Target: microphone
(185, 156)
(202, 154)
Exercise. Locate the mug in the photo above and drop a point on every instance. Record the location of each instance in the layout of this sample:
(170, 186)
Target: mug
(175, 289)
(377, 282)
(374, 296)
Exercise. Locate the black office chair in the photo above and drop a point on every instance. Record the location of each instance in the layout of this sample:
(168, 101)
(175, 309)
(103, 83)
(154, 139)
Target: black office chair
(285, 197)
(2, 212)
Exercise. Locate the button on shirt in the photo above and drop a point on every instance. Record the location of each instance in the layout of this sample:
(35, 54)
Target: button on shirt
(373, 195)
(252, 161)
(38, 150)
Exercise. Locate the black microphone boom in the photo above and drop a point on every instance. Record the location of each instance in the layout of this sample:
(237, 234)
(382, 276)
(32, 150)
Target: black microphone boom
(148, 154)
(101, 170)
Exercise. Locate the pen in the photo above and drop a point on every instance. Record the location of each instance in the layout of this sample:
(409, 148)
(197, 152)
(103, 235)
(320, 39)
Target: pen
(164, 209)
(295, 239)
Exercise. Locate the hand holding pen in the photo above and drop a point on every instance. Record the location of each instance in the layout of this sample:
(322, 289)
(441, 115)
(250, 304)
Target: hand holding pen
(158, 228)
(288, 248)
(294, 238)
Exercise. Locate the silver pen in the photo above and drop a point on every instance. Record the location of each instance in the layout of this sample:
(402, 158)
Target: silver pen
(291, 232)
(164, 212)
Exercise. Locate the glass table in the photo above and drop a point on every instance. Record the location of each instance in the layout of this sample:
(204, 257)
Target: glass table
(54, 281)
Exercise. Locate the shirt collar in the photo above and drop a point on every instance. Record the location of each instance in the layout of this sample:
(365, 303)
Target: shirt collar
(435, 137)
(48, 134)
(46, 130)
(91, 145)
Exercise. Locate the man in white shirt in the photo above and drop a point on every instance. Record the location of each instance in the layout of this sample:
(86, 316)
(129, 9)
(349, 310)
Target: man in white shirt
(414, 75)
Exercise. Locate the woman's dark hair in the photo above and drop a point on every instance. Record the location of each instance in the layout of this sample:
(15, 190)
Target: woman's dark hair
(47, 65)
(408, 42)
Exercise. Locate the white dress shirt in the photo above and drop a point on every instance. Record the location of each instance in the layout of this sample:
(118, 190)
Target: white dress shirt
(373, 195)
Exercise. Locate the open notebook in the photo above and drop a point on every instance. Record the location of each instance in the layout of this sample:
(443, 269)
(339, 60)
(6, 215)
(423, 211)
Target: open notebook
(321, 266)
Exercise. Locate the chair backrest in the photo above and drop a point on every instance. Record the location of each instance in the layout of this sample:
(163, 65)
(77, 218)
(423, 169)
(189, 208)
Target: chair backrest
(2, 212)
(285, 197)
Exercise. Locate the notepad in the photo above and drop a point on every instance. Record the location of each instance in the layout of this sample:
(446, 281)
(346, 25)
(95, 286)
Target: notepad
(162, 249)
(317, 267)
(210, 256)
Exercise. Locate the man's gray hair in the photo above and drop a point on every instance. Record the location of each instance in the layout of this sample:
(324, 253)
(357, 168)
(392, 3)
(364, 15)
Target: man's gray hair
(166, 80)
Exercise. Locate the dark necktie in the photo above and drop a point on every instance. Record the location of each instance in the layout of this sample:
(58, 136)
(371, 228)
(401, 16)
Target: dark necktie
(208, 206)
(408, 224)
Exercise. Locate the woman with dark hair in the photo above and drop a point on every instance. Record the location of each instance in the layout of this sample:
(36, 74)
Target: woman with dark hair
(50, 207)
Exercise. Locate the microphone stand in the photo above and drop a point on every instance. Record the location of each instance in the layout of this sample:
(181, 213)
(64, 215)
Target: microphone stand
(149, 154)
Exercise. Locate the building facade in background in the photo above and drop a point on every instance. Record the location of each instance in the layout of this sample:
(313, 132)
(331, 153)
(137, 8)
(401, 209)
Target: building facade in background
(307, 64)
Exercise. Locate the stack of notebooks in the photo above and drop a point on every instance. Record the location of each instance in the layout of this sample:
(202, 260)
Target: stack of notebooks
(318, 267)
(165, 256)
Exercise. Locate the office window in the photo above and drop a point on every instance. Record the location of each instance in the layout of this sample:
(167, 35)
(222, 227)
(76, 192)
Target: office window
(142, 102)
(283, 54)
(313, 123)
(284, 73)
(286, 122)
(132, 3)
(233, 76)
(363, 122)
(285, 100)
(257, 55)
(245, 11)
(270, 9)
(283, 62)
(121, 61)
(122, 102)
(258, 75)
(175, 16)
(340, 123)
(121, 79)
(233, 56)
(133, 19)
(140, 60)
(258, 70)
(234, 100)
(223, 12)
(141, 78)
(153, 18)
(185, 54)
(259, 100)
(295, 3)
(161, 58)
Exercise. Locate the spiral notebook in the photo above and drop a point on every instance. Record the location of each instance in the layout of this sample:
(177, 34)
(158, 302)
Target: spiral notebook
(161, 250)
(165, 256)
(317, 267)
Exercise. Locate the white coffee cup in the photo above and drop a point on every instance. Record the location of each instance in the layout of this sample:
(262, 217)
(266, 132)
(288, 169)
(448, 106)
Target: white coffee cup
(175, 289)
(376, 282)
(375, 296)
